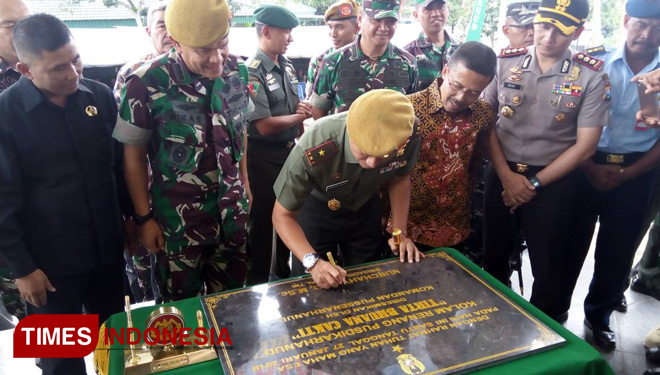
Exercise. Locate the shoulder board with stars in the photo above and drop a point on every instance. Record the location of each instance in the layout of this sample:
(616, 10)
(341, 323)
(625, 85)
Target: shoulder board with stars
(588, 61)
(321, 153)
(595, 50)
(253, 63)
(510, 52)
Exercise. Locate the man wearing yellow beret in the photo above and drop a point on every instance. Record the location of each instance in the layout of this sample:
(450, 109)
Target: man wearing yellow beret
(326, 192)
(187, 111)
(343, 28)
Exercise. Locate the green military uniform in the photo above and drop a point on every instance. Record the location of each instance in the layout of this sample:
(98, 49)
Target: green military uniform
(194, 128)
(334, 196)
(347, 73)
(273, 88)
(11, 297)
(313, 70)
(430, 58)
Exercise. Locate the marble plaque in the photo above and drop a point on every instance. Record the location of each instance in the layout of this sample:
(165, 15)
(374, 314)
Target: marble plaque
(433, 317)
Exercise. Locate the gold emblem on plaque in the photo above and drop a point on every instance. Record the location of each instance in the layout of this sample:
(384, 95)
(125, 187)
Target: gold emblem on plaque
(334, 204)
(91, 111)
(507, 111)
(410, 365)
(560, 117)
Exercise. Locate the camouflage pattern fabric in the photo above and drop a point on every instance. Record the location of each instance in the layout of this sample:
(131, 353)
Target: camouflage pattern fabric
(430, 58)
(126, 71)
(11, 297)
(313, 70)
(347, 73)
(142, 265)
(8, 76)
(195, 131)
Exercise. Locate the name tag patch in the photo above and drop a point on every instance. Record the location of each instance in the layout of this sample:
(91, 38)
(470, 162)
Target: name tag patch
(394, 165)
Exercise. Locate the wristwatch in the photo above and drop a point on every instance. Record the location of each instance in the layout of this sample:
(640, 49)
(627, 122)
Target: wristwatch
(139, 220)
(535, 182)
(309, 260)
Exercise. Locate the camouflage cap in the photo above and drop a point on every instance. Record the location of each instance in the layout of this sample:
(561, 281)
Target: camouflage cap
(342, 10)
(378, 9)
(197, 23)
(522, 12)
(566, 15)
(425, 3)
(276, 16)
(379, 121)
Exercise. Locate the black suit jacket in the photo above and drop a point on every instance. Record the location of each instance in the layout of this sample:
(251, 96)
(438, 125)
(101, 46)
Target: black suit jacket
(58, 199)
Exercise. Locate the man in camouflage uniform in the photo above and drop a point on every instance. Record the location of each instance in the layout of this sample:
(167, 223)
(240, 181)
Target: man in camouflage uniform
(341, 18)
(187, 110)
(11, 11)
(138, 263)
(371, 62)
(434, 46)
(157, 32)
(518, 27)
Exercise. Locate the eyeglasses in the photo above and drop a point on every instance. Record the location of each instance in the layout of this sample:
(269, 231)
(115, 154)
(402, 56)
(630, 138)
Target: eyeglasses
(459, 88)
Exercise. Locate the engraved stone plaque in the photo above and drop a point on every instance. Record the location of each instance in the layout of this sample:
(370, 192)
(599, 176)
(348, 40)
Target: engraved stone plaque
(433, 317)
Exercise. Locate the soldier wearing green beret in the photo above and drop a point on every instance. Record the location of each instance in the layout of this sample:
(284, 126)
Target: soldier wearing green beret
(341, 18)
(187, 111)
(274, 125)
(326, 192)
(434, 46)
(371, 62)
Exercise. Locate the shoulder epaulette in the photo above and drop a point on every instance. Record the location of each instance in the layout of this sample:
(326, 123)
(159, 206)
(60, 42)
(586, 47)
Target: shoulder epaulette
(595, 50)
(321, 153)
(588, 61)
(253, 63)
(509, 52)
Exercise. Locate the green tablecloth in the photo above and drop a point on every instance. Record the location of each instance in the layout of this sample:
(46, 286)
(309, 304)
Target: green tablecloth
(576, 357)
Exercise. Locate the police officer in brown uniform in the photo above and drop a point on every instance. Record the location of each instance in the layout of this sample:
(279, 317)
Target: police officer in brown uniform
(552, 105)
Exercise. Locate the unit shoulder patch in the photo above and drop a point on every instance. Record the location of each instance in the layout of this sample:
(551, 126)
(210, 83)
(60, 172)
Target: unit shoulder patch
(321, 153)
(510, 52)
(595, 50)
(588, 61)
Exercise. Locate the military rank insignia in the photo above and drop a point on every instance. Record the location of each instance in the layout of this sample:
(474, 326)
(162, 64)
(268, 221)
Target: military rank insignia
(588, 61)
(567, 88)
(321, 153)
(510, 52)
(595, 50)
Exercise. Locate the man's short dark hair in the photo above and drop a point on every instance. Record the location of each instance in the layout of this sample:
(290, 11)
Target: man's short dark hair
(475, 56)
(38, 33)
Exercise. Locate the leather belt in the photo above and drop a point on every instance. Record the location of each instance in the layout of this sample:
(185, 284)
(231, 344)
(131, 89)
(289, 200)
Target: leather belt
(623, 160)
(525, 169)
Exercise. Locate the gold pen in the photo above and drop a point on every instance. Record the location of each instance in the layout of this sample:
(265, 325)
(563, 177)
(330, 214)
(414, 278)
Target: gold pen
(331, 259)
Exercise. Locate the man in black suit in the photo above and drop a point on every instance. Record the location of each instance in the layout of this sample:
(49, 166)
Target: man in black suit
(60, 223)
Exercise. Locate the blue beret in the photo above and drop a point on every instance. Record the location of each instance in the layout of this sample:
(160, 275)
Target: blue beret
(276, 16)
(643, 8)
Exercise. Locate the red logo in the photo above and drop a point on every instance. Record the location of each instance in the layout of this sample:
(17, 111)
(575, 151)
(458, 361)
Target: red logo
(345, 10)
(56, 336)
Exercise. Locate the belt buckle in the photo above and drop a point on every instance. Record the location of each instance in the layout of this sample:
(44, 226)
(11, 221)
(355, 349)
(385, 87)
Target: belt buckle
(615, 158)
(521, 168)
